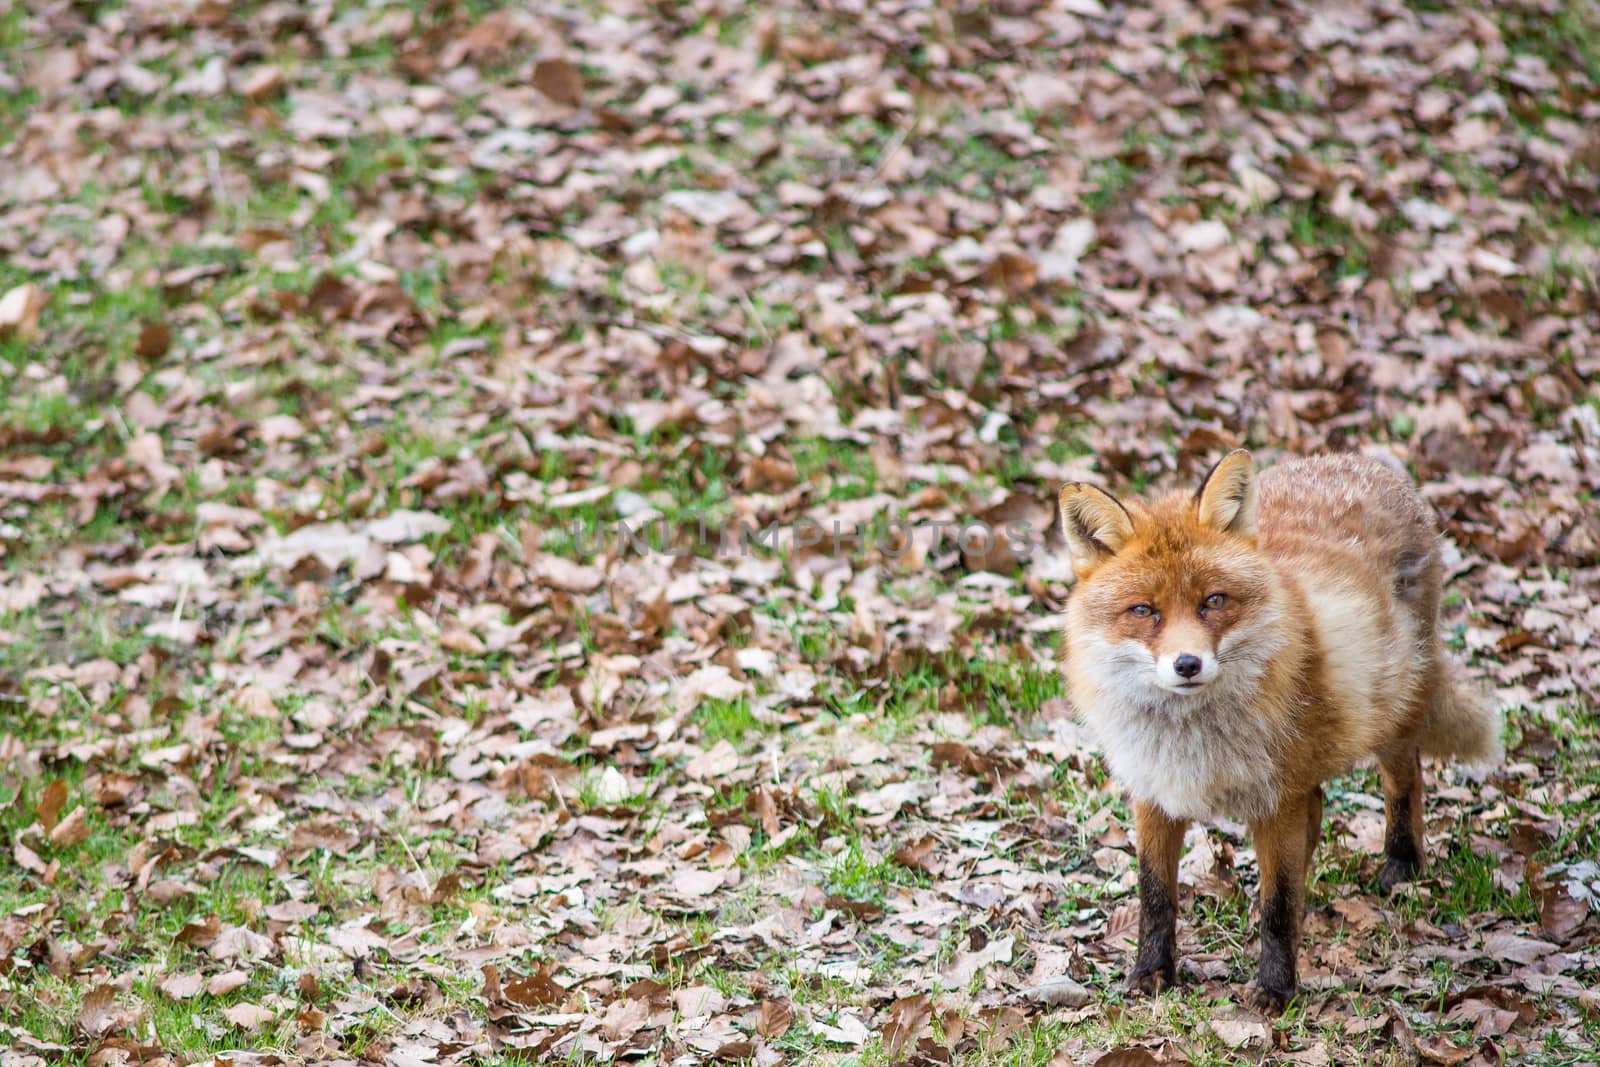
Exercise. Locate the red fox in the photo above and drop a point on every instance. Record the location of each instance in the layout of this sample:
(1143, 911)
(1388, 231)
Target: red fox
(1232, 649)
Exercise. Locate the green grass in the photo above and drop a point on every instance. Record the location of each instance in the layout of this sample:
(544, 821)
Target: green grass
(841, 470)
(1112, 178)
(726, 720)
(514, 367)
(858, 874)
(1568, 36)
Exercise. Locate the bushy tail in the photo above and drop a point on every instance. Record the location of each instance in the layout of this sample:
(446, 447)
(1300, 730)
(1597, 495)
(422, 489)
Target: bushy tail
(1463, 725)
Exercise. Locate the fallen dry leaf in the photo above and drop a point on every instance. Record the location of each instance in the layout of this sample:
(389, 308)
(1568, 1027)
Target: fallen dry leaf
(99, 1014)
(908, 1016)
(247, 1016)
(560, 80)
(1242, 1033)
(510, 490)
(1060, 992)
(1127, 1057)
(774, 1019)
(155, 338)
(182, 986)
(20, 309)
(73, 830)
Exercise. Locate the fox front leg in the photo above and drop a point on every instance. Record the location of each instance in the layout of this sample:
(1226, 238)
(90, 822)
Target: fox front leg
(1160, 844)
(1282, 843)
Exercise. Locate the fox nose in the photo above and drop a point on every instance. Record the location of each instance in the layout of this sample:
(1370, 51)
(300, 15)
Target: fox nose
(1186, 665)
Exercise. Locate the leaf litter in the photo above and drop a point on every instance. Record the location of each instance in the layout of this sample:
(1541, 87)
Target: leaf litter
(340, 722)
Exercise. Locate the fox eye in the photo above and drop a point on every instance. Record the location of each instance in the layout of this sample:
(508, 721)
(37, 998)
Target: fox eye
(1214, 601)
(1141, 611)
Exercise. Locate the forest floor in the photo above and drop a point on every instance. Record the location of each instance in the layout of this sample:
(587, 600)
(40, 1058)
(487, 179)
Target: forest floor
(338, 722)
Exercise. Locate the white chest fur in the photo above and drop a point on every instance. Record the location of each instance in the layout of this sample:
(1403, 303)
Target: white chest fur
(1197, 756)
(1194, 764)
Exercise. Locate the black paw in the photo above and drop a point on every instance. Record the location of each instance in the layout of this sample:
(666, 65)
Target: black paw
(1271, 1000)
(1150, 980)
(1398, 869)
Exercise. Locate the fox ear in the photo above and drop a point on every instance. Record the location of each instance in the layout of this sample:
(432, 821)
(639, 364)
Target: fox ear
(1095, 524)
(1227, 498)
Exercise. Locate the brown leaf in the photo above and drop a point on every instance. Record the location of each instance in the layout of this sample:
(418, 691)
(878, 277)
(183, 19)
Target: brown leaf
(222, 984)
(1527, 836)
(32, 467)
(261, 83)
(1358, 914)
(492, 991)
(166, 890)
(114, 790)
(1122, 924)
(950, 1026)
(1492, 1010)
(181, 986)
(534, 990)
(908, 1017)
(254, 238)
(560, 573)
(331, 297)
(73, 830)
(27, 858)
(560, 80)
(968, 962)
(720, 760)
(98, 1014)
(247, 1016)
(238, 943)
(51, 801)
(1488, 1020)
(691, 882)
(956, 754)
(774, 1018)
(914, 855)
(1242, 1033)
(291, 911)
(200, 934)
(763, 804)
(860, 909)
(624, 1017)
(20, 309)
(1127, 1057)
(1560, 915)
(1059, 992)
(154, 341)
(1501, 945)
(1440, 1049)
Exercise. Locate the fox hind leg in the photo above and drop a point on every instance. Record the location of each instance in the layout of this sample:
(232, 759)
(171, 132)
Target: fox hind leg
(1313, 827)
(1401, 772)
(1400, 761)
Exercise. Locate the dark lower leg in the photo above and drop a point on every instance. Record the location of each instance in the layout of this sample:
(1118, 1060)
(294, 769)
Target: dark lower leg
(1281, 851)
(1402, 799)
(1280, 929)
(1160, 845)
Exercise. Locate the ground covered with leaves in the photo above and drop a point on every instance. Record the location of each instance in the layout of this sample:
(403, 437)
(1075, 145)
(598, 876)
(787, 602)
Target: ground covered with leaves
(339, 722)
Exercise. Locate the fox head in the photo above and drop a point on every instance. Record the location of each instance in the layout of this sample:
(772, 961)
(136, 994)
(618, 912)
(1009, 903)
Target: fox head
(1173, 600)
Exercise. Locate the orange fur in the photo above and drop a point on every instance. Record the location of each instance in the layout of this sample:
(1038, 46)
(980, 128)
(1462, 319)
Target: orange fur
(1233, 648)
